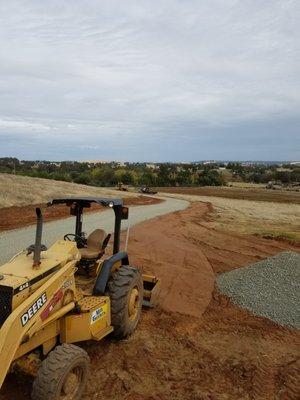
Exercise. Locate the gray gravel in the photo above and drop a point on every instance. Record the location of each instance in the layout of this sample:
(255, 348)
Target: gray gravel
(269, 288)
(11, 242)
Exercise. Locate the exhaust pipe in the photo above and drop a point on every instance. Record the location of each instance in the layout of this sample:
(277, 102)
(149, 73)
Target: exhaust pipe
(38, 238)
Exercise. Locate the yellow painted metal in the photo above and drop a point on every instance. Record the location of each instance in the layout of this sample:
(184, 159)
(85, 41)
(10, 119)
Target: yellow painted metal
(149, 278)
(93, 321)
(49, 344)
(19, 271)
(116, 266)
(133, 304)
(41, 337)
(151, 287)
(88, 303)
(59, 313)
(12, 332)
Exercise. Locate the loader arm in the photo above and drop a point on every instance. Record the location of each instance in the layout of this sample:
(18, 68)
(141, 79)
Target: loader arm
(26, 319)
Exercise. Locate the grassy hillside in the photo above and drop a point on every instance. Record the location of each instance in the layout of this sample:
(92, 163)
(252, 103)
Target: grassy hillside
(21, 190)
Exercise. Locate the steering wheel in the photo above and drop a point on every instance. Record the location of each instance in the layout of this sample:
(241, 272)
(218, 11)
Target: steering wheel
(76, 238)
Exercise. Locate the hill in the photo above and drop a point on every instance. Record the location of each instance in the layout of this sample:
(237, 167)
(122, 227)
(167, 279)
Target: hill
(19, 190)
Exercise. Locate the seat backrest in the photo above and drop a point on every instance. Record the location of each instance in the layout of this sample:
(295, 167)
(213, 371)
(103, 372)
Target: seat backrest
(95, 239)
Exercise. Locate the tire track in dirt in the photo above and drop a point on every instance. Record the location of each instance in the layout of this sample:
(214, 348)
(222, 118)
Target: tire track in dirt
(290, 374)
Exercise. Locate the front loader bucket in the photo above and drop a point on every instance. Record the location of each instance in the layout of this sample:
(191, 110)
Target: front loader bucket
(151, 284)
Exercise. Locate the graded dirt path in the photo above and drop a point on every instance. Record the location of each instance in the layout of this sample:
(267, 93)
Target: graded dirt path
(187, 278)
(226, 354)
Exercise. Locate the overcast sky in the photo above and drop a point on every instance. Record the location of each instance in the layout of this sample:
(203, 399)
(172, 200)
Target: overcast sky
(153, 80)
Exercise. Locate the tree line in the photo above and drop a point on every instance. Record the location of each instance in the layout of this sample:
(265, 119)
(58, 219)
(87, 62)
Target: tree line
(160, 174)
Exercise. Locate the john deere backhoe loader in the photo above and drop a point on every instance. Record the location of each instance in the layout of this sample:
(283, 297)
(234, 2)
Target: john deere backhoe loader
(69, 293)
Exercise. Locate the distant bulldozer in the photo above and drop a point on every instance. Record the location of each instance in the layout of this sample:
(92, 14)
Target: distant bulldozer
(146, 190)
(122, 187)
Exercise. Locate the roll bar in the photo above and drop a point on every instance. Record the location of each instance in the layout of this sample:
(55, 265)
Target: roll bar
(78, 204)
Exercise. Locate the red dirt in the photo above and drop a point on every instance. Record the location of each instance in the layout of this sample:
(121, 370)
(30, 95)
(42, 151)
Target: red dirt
(187, 278)
(17, 217)
(227, 354)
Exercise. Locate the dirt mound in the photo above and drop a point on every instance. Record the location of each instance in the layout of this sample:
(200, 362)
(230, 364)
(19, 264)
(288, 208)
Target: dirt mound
(187, 279)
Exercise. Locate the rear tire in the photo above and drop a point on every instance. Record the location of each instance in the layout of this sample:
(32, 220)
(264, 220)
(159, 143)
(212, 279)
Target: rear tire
(125, 289)
(63, 374)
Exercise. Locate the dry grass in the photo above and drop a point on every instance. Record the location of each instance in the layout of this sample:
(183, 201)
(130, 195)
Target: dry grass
(247, 185)
(22, 190)
(272, 219)
(241, 193)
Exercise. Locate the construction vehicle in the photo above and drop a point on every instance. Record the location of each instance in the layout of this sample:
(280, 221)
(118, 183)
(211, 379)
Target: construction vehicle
(146, 190)
(122, 187)
(69, 293)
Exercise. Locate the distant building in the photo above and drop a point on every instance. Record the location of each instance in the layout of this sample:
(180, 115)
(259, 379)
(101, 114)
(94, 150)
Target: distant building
(281, 169)
(152, 166)
(96, 162)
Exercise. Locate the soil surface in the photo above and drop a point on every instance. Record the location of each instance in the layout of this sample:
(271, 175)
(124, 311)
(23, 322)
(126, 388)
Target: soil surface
(258, 194)
(262, 218)
(20, 216)
(177, 353)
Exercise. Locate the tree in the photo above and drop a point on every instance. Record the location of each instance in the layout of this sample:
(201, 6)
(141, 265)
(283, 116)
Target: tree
(147, 178)
(210, 178)
(283, 176)
(83, 178)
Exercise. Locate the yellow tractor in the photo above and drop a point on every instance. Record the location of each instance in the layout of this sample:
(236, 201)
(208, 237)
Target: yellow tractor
(69, 293)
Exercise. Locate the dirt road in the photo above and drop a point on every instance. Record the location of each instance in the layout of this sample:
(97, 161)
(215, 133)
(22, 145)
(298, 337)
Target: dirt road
(174, 354)
(14, 241)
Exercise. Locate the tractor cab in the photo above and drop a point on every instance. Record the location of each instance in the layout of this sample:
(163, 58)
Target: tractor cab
(93, 246)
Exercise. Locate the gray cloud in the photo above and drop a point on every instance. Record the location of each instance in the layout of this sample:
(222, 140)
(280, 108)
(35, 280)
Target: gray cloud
(139, 80)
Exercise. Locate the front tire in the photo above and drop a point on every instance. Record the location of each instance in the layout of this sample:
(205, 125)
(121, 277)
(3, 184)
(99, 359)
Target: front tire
(63, 374)
(125, 289)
